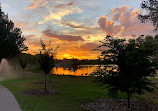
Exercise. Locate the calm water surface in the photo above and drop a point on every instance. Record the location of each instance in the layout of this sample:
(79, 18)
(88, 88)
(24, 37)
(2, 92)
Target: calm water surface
(82, 70)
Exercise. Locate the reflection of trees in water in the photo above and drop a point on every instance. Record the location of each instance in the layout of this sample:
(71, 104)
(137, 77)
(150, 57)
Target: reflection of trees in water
(107, 68)
(74, 66)
(81, 70)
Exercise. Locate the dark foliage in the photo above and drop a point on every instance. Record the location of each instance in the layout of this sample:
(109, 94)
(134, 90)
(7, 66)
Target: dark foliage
(134, 61)
(47, 62)
(11, 39)
(151, 7)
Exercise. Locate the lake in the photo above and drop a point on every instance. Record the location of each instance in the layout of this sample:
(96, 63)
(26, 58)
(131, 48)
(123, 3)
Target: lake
(81, 70)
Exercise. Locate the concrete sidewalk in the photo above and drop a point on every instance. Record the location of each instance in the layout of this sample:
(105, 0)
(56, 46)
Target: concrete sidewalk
(8, 101)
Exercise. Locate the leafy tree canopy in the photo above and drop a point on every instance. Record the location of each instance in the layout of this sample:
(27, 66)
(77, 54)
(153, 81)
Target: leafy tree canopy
(151, 12)
(135, 61)
(11, 39)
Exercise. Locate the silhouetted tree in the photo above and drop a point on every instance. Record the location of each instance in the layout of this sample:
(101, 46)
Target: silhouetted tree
(135, 61)
(156, 38)
(23, 61)
(154, 41)
(47, 61)
(151, 14)
(11, 39)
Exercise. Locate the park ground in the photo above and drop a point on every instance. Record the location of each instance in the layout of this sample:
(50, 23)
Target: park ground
(69, 93)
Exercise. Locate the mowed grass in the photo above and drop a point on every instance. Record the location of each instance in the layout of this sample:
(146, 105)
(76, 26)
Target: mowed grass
(72, 92)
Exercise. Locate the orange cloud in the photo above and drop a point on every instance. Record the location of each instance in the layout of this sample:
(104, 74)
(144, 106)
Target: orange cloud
(108, 26)
(80, 55)
(89, 47)
(21, 24)
(80, 51)
(125, 23)
(67, 50)
(32, 40)
(60, 14)
(74, 25)
(5, 5)
(64, 5)
(33, 30)
(70, 38)
(117, 12)
(36, 3)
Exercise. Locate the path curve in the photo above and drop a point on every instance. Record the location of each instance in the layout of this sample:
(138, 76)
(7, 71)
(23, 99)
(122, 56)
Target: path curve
(8, 101)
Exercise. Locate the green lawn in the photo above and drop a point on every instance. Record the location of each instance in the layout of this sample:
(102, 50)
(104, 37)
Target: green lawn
(72, 92)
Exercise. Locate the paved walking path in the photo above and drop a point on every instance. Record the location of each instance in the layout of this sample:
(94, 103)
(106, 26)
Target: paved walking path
(7, 100)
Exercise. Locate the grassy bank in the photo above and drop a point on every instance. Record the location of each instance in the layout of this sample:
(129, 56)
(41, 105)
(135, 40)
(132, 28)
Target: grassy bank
(71, 93)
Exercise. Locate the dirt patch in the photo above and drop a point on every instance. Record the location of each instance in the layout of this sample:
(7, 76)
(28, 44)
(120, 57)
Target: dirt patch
(40, 92)
(104, 104)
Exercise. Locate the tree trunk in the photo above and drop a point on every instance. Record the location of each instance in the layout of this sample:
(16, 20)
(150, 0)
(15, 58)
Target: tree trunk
(128, 98)
(45, 83)
(49, 78)
(0, 60)
(23, 73)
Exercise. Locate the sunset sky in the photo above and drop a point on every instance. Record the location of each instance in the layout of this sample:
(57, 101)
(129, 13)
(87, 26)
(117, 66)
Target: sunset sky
(76, 26)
